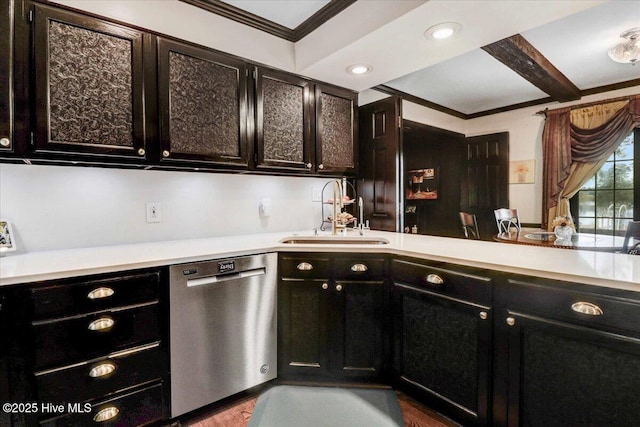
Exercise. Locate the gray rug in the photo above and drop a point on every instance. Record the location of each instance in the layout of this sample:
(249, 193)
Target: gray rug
(295, 406)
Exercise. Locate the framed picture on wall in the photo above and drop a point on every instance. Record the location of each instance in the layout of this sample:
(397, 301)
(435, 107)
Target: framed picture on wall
(422, 184)
(7, 242)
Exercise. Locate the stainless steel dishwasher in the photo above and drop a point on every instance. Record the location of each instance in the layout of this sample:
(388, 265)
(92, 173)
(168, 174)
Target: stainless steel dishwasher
(222, 329)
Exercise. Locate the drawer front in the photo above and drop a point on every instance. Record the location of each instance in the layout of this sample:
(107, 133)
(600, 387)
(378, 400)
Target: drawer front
(71, 339)
(132, 409)
(364, 268)
(446, 281)
(93, 295)
(305, 266)
(99, 377)
(566, 304)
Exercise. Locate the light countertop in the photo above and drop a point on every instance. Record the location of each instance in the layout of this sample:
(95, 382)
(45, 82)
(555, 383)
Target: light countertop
(589, 267)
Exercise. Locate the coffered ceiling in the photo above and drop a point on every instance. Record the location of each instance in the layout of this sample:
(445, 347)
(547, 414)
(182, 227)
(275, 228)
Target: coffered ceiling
(508, 53)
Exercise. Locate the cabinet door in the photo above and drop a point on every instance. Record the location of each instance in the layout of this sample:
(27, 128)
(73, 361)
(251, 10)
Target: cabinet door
(302, 329)
(203, 106)
(89, 86)
(566, 375)
(358, 348)
(283, 121)
(6, 80)
(336, 130)
(442, 352)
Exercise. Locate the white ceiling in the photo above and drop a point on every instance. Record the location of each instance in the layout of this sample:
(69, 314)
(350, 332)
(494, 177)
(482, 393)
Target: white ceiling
(574, 35)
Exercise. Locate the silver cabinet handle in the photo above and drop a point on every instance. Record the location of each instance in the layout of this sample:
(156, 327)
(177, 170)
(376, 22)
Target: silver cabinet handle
(165, 153)
(320, 166)
(484, 315)
(5, 142)
(102, 370)
(359, 268)
(587, 308)
(304, 266)
(106, 414)
(102, 292)
(309, 165)
(141, 151)
(434, 279)
(102, 324)
(511, 321)
(325, 286)
(338, 288)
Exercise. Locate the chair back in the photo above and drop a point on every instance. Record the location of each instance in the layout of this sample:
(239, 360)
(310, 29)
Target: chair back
(469, 226)
(631, 244)
(507, 218)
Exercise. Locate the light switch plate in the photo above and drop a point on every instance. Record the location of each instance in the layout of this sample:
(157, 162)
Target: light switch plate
(154, 212)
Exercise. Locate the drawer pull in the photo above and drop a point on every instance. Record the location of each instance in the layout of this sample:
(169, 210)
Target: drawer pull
(511, 321)
(102, 370)
(359, 268)
(305, 266)
(102, 324)
(106, 414)
(100, 293)
(587, 308)
(484, 315)
(325, 286)
(338, 288)
(434, 279)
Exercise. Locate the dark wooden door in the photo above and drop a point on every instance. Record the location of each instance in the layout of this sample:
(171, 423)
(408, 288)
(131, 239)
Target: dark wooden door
(283, 118)
(336, 130)
(380, 162)
(358, 329)
(442, 351)
(89, 86)
(6, 80)
(303, 320)
(485, 186)
(567, 375)
(203, 106)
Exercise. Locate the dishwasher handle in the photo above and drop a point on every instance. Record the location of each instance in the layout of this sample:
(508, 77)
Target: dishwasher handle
(210, 280)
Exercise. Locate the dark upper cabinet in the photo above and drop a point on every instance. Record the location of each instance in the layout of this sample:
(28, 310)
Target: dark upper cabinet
(283, 121)
(202, 106)
(336, 130)
(6, 77)
(89, 86)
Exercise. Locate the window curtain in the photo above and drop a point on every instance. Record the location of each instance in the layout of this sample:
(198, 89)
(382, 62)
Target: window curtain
(575, 144)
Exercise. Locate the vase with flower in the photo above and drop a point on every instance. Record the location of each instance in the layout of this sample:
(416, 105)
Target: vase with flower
(563, 227)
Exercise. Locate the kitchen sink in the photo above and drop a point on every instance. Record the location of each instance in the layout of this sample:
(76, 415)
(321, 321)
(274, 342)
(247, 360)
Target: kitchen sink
(335, 240)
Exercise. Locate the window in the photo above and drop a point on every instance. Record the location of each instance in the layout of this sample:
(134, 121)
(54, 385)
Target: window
(606, 203)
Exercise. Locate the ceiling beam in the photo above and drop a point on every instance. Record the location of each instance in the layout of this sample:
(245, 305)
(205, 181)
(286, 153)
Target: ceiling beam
(518, 54)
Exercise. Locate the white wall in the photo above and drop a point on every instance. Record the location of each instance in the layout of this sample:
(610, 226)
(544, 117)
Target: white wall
(59, 207)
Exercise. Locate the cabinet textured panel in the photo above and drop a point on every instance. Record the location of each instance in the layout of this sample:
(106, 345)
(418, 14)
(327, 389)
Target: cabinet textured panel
(440, 349)
(283, 121)
(90, 84)
(305, 332)
(204, 107)
(568, 382)
(337, 130)
(362, 311)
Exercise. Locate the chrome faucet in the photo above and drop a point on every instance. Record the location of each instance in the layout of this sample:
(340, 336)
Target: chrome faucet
(338, 204)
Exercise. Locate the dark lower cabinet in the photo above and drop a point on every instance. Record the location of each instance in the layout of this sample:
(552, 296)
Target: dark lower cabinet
(331, 327)
(567, 354)
(100, 361)
(567, 375)
(442, 351)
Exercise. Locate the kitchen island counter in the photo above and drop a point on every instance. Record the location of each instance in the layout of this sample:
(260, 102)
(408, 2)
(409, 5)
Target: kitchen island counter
(595, 268)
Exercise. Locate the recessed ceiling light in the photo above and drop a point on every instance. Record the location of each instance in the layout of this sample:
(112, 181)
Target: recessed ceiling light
(442, 31)
(359, 69)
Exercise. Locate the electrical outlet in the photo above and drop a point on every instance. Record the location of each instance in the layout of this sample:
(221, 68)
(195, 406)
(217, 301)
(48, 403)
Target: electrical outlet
(154, 212)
